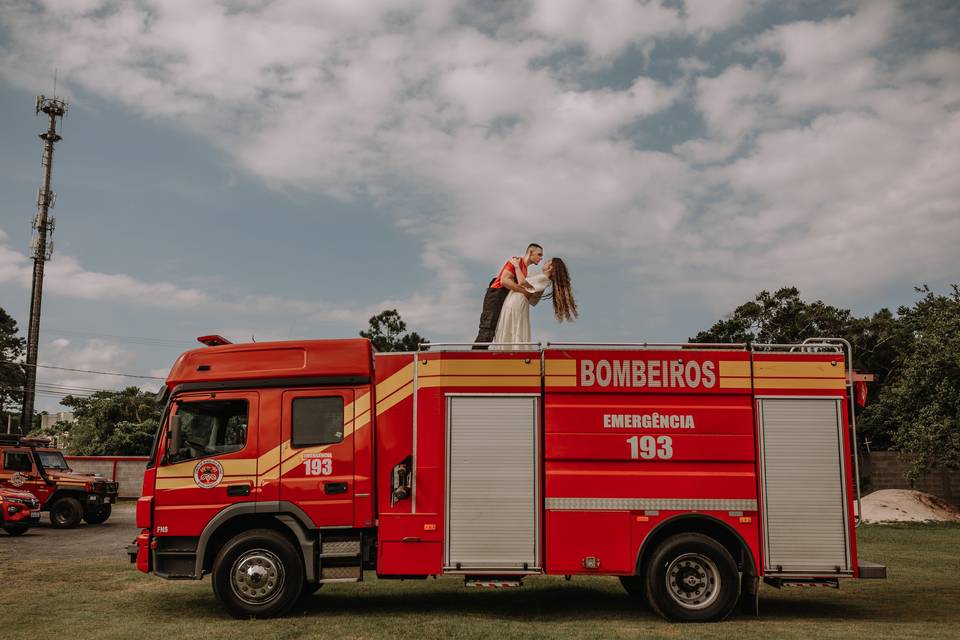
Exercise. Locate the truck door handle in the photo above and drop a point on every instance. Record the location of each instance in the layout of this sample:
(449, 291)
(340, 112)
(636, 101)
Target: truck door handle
(238, 490)
(331, 488)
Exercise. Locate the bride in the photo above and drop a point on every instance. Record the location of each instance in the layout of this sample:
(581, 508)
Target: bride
(514, 324)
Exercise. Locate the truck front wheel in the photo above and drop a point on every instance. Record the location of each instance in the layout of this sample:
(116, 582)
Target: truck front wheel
(98, 515)
(258, 573)
(66, 513)
(692, 578)
(15, 529)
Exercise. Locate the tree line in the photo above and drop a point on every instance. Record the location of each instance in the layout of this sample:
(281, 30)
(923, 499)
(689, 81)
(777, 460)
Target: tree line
(912, 407)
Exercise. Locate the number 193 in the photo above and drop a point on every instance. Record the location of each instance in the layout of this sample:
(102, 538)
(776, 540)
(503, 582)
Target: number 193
(650, 447)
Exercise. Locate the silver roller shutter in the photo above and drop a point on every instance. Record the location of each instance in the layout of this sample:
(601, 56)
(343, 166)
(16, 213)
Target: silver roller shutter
(804, 494)
(492, 515)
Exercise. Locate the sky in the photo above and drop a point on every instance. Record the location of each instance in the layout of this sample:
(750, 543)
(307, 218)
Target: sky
(287, 169)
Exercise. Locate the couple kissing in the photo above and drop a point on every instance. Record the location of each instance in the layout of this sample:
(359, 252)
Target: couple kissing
(505, 319)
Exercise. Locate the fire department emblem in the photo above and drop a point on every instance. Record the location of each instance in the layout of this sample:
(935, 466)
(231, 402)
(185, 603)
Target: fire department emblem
(18, 479)
(207, 474)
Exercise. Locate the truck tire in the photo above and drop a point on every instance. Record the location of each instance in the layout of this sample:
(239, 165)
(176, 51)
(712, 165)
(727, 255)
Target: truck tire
(692, 578)
(98, 515)
(633, 585)
(66, 513)
(259, 574)
(15, 529)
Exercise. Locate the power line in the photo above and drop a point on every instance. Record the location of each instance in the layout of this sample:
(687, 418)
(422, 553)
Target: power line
(102, 373)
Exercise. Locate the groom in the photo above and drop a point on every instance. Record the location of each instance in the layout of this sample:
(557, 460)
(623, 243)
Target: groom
(504, 283)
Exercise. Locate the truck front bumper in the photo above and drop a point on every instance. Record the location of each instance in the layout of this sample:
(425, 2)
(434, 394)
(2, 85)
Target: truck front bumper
(139, 551)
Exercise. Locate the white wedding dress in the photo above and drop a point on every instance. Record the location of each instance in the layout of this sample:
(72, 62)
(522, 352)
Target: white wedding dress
(514, 323)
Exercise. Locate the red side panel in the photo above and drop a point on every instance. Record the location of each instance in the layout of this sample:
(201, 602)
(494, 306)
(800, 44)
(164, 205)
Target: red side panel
(422, 440)
(634, 438)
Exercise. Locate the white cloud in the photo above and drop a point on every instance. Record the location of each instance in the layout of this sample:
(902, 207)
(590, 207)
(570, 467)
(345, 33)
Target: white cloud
(606, 27)
(65, 276)
(478, 130)
(717, 15)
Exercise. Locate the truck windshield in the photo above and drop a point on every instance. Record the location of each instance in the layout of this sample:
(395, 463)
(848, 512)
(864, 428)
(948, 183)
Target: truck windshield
(53, 460)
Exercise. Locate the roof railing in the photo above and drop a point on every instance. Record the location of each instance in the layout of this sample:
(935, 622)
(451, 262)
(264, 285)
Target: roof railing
(650, 345)
(804, 347)
(467, 346)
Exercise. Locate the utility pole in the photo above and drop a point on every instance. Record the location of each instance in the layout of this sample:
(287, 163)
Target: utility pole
(43, 224)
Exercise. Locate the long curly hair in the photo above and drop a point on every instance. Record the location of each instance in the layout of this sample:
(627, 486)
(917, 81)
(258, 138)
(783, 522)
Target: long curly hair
(564, 306)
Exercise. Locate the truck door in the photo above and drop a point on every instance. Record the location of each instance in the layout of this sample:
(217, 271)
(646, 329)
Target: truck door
(317, 454)
(215, 466)
(20, 472)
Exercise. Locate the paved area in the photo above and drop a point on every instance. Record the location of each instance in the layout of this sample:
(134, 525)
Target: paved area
(86, 541)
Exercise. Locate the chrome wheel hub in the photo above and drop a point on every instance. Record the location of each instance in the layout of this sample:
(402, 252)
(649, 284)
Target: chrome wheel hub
(693, 581)
(257, 577)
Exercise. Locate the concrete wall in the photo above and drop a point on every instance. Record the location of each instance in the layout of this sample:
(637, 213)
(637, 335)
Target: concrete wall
(127, 470)
(887, 470)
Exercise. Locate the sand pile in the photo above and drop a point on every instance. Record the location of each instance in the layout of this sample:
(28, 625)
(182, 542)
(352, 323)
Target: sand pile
(905, 505)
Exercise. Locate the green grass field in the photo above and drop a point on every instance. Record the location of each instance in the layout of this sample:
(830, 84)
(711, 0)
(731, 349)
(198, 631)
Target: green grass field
(109, 599)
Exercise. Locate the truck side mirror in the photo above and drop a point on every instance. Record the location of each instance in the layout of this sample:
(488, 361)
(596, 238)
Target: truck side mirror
(173, 435)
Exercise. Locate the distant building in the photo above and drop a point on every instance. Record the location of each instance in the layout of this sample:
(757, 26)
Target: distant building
(50, 419)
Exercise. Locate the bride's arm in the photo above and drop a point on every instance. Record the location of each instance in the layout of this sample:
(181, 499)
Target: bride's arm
(517, 273)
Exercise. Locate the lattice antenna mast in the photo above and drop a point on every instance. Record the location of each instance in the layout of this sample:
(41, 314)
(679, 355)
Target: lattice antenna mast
(43, 225)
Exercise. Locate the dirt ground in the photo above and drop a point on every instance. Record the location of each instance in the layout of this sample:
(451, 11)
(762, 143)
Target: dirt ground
(905, 505)
(86, 541)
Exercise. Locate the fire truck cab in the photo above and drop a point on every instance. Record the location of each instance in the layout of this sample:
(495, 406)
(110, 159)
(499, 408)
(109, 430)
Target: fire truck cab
(688, 471)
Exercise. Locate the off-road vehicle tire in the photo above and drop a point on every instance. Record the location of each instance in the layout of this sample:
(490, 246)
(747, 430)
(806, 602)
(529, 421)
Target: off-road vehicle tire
(692, 578)
(15, 529)
(98, 515)
(66, 513)
(258, 573)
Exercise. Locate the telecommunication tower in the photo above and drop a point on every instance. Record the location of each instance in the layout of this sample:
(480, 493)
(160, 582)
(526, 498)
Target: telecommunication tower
(43, 224)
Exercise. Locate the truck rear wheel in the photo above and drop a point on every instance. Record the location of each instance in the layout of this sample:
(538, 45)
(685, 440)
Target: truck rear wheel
(692, 578)
(98, 515)
(66, 513)
(15, 529)
(258, 573)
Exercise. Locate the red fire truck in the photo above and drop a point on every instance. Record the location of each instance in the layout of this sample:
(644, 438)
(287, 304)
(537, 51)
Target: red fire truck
(689, 471)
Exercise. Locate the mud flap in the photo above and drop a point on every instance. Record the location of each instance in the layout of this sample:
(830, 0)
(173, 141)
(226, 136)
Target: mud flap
(750, 595)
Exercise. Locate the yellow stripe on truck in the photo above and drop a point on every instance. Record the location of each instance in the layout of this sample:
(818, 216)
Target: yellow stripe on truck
(780, 369)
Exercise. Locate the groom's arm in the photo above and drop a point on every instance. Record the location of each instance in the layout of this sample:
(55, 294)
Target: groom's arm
(507, 280)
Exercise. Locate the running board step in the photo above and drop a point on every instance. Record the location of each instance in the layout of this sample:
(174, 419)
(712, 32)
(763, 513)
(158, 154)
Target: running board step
(341, 574)
(340, 556)
(779, 583)
(493, 582)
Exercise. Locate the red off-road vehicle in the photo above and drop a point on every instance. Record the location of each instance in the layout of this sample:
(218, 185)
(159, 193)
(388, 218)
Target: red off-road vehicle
(32, 464)
(19, 510)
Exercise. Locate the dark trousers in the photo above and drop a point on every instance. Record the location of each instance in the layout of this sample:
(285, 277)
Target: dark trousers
(492, 303)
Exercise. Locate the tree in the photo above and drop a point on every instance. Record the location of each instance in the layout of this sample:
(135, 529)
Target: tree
(779, 317)
(920, 405)
(784, 317)
(109, 423)
(386, 332)
(12, 374)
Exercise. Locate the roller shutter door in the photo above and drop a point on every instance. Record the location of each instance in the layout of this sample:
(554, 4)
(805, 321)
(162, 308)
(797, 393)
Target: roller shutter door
(492, 488)
(804, 494)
